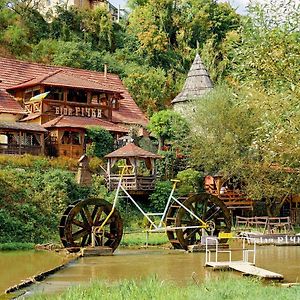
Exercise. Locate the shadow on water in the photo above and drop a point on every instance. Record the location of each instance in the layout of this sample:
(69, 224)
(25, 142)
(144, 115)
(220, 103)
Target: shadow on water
(168, 265)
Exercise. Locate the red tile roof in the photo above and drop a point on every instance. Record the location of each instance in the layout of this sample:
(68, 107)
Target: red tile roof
(131, 150)
(22, 126)
(81, 122)
(65, 79)
(14, 72)
(8, 104)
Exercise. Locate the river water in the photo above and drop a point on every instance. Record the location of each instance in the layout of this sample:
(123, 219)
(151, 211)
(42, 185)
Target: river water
(171, 265)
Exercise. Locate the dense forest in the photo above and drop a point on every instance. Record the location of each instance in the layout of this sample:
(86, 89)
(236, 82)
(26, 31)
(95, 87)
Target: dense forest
(247, 128)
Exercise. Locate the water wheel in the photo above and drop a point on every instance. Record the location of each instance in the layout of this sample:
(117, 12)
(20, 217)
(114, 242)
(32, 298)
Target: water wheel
(78, 219)
(208, 208)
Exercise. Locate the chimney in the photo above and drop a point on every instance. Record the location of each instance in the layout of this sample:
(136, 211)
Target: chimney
(105, 70)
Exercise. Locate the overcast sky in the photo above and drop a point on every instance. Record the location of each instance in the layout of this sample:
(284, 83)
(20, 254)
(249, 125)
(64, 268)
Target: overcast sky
(239, 4)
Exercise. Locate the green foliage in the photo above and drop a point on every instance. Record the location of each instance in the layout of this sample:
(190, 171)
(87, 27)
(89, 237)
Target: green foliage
(160, 195)
(101, 142)
(16, 246)
(32, 201)
(189, 181)
(251, 136)
(168, 126)
(268, 54)
(150, 86)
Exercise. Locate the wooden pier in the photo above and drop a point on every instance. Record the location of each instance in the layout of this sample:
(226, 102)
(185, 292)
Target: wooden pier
(245, 268)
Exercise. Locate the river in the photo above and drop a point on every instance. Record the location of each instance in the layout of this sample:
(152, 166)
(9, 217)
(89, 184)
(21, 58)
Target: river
(171, 265)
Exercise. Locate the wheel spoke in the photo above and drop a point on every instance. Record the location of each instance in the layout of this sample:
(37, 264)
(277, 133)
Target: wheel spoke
(98, 216)
(78, 234)
(83, 240)
(94, 212)
(78, 223)
(84, 218)
(88, 215)
(206, 208)
(212, 213)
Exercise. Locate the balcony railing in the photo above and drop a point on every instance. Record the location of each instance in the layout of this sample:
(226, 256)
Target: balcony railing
(20, 149)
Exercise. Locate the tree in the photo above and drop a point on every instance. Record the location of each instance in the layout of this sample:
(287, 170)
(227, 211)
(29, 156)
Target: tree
(168, 126)
(268, 54)
(101, 142)
(252, 136)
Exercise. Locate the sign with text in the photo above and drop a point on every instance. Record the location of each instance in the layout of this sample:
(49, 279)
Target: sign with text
(79, 111)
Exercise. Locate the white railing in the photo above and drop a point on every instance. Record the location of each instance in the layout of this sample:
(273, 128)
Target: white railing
(213, 240)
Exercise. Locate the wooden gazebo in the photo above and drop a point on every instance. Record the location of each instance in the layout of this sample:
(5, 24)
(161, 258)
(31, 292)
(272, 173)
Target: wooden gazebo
(142, 172)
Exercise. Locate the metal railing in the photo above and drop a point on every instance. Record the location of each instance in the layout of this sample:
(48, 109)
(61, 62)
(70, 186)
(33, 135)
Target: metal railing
(213, 240)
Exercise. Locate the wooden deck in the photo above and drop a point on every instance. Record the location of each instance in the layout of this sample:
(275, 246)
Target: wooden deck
(246, 268)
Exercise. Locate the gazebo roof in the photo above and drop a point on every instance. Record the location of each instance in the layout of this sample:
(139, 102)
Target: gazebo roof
(131, 150)
(197, 83)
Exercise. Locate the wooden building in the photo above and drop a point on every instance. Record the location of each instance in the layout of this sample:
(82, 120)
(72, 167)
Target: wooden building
(16, 137)
(65, 101)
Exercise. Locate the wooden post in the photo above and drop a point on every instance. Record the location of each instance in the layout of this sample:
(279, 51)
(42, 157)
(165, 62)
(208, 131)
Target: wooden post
(42, 144)
(20, 146)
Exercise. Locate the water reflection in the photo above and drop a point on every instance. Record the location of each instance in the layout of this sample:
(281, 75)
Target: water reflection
(16, 266)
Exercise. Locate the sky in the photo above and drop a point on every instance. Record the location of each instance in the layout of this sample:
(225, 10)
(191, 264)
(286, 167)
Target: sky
(239, 4)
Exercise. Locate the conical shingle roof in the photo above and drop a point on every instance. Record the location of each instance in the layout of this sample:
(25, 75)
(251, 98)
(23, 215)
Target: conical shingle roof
(197, 83)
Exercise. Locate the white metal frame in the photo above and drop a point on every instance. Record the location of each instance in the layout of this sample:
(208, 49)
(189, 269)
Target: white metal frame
(156, 228)
(216, 250)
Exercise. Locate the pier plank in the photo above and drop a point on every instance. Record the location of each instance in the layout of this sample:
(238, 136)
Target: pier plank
(246, 268)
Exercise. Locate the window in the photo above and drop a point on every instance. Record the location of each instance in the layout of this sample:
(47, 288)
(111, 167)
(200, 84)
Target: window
(55, 93)
(114, 103)
(99, 98)
(71, 138)
(29, 93)
(79, 96)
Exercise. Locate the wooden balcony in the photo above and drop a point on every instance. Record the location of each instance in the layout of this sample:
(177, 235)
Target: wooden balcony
(132, 182)
(20, 149)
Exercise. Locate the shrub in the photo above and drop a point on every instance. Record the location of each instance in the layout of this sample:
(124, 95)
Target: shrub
(102, 142)
(159, 197)
(189, 181)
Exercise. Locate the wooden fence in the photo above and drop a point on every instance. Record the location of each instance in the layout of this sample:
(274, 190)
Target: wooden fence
(268, 224)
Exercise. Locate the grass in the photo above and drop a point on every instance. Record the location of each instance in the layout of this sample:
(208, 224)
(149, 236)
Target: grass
(153, 288)
(16, 246)
(139, 239)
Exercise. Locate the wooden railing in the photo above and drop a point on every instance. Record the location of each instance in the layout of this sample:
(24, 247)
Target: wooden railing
(132, 182)
(20, 149)
(232, 198)
(268, 224)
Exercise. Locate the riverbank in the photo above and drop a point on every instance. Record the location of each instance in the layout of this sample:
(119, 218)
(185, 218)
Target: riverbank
(153, 288)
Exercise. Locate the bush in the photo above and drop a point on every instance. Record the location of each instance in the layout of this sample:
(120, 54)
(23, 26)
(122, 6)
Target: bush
(32, 201)
(189, 181)
(102, 142)
(159, 197)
